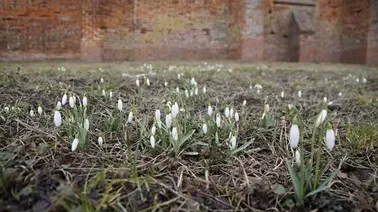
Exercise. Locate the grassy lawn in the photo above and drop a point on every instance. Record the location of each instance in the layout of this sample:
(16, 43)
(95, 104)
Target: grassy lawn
(243, 159)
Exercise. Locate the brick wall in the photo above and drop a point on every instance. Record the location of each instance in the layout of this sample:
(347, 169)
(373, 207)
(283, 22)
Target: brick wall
(251, 30)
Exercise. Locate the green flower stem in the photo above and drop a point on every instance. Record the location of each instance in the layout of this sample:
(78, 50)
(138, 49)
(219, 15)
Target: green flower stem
(312, 147)
(302, 166)
(318, 157)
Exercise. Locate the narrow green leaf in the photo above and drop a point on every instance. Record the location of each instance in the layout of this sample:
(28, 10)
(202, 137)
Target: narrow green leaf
(295, 180)
(243, 147)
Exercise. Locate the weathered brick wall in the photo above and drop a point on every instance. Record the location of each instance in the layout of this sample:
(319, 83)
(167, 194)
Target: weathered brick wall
(252, 30)
(39, 30)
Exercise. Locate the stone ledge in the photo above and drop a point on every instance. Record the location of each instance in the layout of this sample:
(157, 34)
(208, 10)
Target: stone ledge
(296, 2)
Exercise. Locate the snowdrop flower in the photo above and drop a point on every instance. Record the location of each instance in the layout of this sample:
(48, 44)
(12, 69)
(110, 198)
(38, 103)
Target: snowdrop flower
(110, 94)
(39, 110)
(168, 120)
(244, 103)
(85, 101)
(58, 106)
(120, 105)
(357, 80)
(330, 103)
(321, 117)
(231, 113)
(165, 84)
(186, 93)
(232, 143)
(258, 87)
(218, 120)
(227, 112)
(325, 99)
(32, 113)
(102, 80)
(204, 90)
(204, 128)
(157, 118)
(103, 92)
(297, 157)
(100, 141)
(340, 94)
(174, 134)
(6, 109)
(294, 134)
(236, 116)
(299, 94)
(209, 110)
(193, 81)
(71, 102)
(330, 138)
(364, 80)
(137, 82)
(179, 76)
(130, 117)
(148, 82)
(177, 89)
(290, 106)
(282, 94)
(75, 143)
(266, 108)
(191, 93)
(153, 130)
(152, 141)
(250, 87)
(64, 99)
(86, 124)
(175, 110)
(196, 91)
(57, 118)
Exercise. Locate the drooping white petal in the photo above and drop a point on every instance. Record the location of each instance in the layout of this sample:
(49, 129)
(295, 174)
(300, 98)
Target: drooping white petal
(137, 82)
(130, 117)
(32, 113)
(153, 130)
(174, 134)
(168, 120)
(231, 113)
(294, 136)
(321, 117)
(120, 105)
(204, 90)
(175, 110)
(86, 124)
(40, 110)
(110, 94)
(58, 106)
(209, 110)
(236, 116)
(75, 143)
(244, 103)
(85, 101)
(282, 94)
(232, 143)
(152, 141)
(71, 102)
(64, 99)
(218, 120)
(100, 141)
(330, 139)
(103, 92)
(204, 128)
(299, 94)
(148, 82)
(227, 112)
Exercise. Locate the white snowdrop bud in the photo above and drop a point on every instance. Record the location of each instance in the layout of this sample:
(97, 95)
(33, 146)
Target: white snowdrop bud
(32, 113)
(120, 105)
(102, 80)
(179, 76)
(75, 143)
(152, 141)
(64, 99)
(294, 136)
(58, 106)
(330, 138)
(218, 120)
(57, 118)
(71, 102)
(153, 130)
(244, 103)
(236, 116)
(165, 84)
(137, 82)
(100, 141)
(85, 101)
(110, 94)
(186, 93)
(174, 134)
(175, 110)
(204, 128)
(177, 89)
(227, 112)
(130, 117)
(86, 124)
(299, 94)
(204, 90)
(148, 82)
(168, 120)
(297, 157)
(282, 94)
(191, 93)
(266, 108)
(209, 110)
(103, 92)
(6, 109)
(40, 110)
(231, 113)
(325, 99)
(340, 94)
(364, 80)
(321, 117)
(196, 91)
